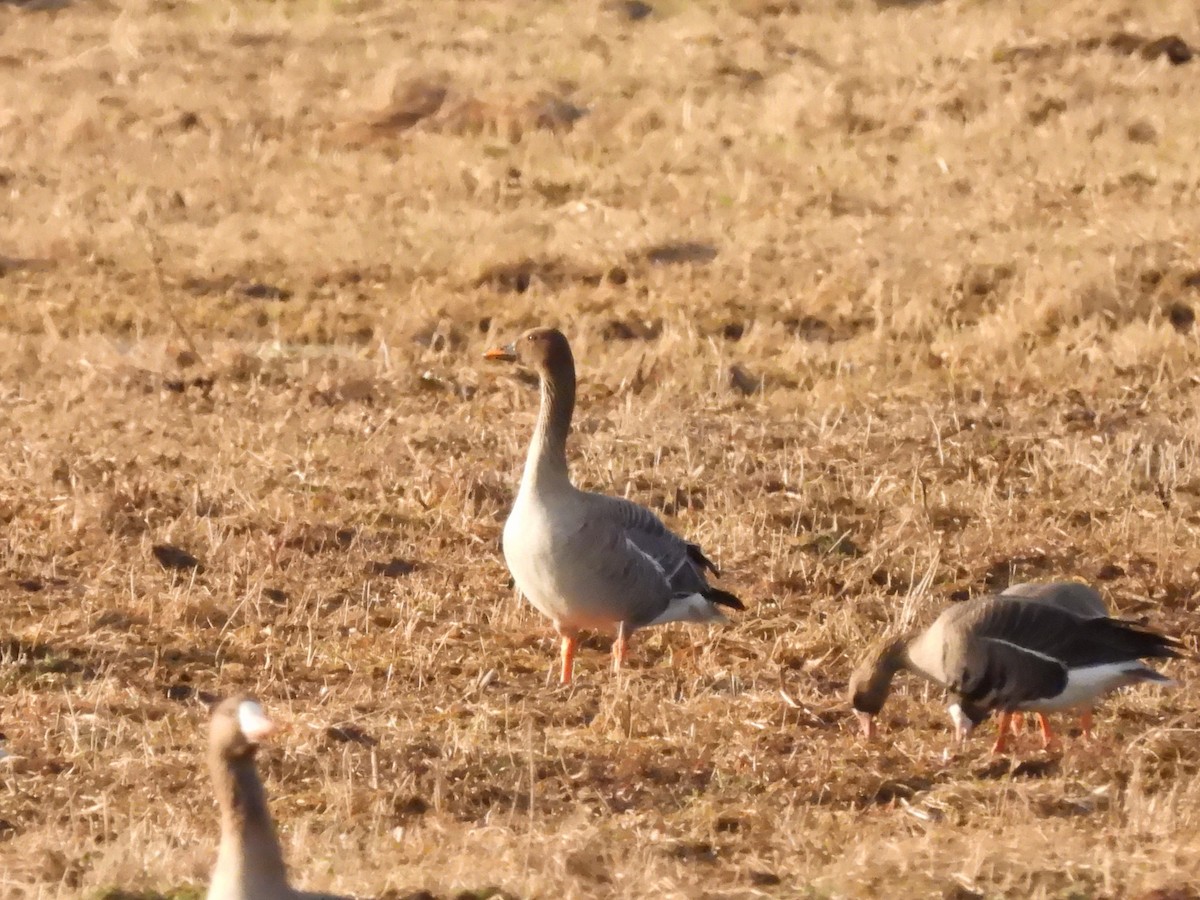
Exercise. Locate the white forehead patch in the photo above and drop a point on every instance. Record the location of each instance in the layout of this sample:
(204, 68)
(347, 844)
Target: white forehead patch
(253, 721)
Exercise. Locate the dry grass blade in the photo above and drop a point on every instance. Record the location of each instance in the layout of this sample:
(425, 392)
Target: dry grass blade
(885, 304)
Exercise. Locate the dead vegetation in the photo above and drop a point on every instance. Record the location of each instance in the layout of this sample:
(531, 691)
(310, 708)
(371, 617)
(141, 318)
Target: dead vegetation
(885, 303)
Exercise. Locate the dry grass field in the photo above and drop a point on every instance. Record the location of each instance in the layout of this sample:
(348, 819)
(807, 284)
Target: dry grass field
(886, 304)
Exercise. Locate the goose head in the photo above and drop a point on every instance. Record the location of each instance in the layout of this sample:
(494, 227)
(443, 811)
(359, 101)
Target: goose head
(871, 682)
(545, 350)
(239, 725)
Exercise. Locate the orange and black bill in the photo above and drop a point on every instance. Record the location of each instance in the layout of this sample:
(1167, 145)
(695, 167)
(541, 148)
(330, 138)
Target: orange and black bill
(507, 353)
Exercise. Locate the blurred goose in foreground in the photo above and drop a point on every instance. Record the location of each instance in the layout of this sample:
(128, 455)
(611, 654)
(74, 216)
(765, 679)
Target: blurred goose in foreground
(250, 861)
(1011, 654)
(1081, 600)
(588, 561)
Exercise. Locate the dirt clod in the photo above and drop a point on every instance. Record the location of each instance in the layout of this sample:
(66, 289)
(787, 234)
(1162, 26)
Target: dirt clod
(675, 253)
(172, 557)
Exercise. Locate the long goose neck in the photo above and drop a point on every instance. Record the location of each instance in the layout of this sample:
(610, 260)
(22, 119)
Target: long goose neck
(547, 460)
(250, 851)
(896, 656)
(892, 659)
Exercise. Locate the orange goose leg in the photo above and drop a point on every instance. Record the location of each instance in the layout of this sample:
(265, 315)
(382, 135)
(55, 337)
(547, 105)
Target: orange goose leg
(567, 657)
(1085, 723)
(620, 648)
(1047, 733)
(1004, 726)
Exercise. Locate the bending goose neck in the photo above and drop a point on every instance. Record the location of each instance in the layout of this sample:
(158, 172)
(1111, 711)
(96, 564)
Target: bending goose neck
(249, 853)
(547, 461)
(896, 656)
(893, 657)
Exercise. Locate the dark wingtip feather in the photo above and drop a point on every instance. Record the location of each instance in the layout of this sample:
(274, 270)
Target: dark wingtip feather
(696, 555)
(1166, 644)
(723, 598)
(1149, 643)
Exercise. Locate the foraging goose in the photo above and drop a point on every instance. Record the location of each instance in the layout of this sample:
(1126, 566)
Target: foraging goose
(250, 861)
(1011, 654)
(1081, 600)
(583, 559)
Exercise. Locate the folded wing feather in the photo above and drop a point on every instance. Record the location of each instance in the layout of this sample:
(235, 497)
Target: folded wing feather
(673, 555)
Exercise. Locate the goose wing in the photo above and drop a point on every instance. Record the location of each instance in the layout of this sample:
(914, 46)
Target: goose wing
(636, 583)
(683, 563)
(1008, 651)
(662, 574)
(1081, 599)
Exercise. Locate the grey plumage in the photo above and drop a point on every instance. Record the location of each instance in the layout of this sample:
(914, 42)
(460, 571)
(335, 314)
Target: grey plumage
(1013, 654)
(1081, 599)
(585, 560)
(1072, 596)
(682, 563)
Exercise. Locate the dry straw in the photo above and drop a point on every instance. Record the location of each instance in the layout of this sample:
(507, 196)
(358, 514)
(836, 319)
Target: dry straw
(885, 304)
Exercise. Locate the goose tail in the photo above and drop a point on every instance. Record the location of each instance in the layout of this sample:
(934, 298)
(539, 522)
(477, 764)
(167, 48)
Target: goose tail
(700, 606)
(1145, 673)
(1134, 639)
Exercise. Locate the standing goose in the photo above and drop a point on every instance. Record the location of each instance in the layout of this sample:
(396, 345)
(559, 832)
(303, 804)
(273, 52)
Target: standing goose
(250, 861)
(584, 560)
(1011, 655)
(1080, 599)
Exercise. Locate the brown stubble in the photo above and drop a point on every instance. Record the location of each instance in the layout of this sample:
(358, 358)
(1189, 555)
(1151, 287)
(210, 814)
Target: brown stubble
(249, 267)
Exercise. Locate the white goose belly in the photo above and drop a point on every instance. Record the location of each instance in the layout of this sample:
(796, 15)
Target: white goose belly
(1085, 685)
(551, 566)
